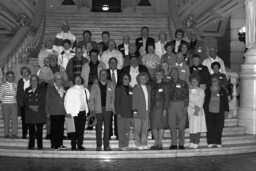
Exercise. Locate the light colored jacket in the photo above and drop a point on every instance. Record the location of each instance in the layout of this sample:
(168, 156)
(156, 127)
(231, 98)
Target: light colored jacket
(86, 71)
(95, 97)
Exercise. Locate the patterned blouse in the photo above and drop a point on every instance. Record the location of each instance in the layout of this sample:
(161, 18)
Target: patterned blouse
(151, 61)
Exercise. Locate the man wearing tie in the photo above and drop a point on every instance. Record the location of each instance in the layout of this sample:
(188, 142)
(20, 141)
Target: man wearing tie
(113, 74)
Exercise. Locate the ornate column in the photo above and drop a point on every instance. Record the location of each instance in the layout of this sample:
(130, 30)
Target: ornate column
(247, 109)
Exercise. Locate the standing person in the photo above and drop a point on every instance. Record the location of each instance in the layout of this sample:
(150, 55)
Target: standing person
(179, 34)
(196, 114)
(66, 54)
(76, 105)
(105, 35)
(216, 108)
(35, 115)
(47, 50)
(45, 73)
(222, 77)
(151, 60)
(169, 57)
(8, 91)
(158, 110)
(87, 37)
(123, 108)
(143, 41)
(55, 111)
(102, 104)
(177, 101)
(23, 84)
(186, 53)
(182, 67)
(160, 45)
(124, 47)
(141, 108)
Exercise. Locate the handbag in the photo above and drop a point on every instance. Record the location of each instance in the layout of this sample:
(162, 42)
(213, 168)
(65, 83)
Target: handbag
(70, 124)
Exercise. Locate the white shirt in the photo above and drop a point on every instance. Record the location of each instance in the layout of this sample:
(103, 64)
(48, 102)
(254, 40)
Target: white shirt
(26, 84)
(45, 53)
(64, 57)
(76, 100)
(126, 49)
(133, 73)
(159, 50)
(177, 44)
(114, 53)
(145, 91)
(208, 62)
(61, 35)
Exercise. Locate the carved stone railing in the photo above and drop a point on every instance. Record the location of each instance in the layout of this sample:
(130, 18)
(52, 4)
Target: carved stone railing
(233, 103)
(27, 38)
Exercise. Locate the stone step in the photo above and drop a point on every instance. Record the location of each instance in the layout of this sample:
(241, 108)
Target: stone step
(91, 134)
(91, 144)
(115, 154)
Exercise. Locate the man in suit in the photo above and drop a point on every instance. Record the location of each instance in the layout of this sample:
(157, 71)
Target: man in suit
(179, 34)
(143, 41)
(87, 35)
(134, 69)
(105, 35)
(124, 47)
(114, 75)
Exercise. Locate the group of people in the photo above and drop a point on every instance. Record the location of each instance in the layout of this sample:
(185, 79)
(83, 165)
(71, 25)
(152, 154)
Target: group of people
(144, 85)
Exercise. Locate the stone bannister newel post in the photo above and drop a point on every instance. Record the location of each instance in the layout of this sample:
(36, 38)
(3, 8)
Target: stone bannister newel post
(247, 109)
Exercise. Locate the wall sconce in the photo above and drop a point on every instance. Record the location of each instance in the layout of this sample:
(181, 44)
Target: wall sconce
(105, 7)
(241, 34)
(23, 19)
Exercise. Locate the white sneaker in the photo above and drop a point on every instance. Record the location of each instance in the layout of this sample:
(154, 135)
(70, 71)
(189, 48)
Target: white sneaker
(140, 147)
(145, 147)
(218, 146)
(196, 146)
(191, 145)
(210, 145)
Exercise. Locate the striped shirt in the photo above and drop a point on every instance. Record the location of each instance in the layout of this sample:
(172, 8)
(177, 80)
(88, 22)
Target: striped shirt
(8, 93)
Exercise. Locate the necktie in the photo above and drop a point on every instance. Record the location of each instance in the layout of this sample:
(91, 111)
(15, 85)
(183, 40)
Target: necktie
(113, 77)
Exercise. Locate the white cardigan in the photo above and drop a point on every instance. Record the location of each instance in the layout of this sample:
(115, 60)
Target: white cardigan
(72, 101)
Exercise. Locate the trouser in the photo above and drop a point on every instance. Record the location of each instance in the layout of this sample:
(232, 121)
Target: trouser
(57, 130)
(177, 118)
(194, 138)
(115, 125)
(123, 131)
(78, 136)
(35, 131)
(24, 125)
(105, 117)
(10, 113)
(141, 131)
(214, 122)
(48, 126)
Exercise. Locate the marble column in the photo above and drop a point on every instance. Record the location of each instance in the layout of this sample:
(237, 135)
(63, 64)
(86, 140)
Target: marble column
(247, 109)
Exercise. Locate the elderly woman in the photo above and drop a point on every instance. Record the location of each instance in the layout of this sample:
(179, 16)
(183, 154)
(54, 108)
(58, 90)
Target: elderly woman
(216, 107)
(23, 61)
(8, 91)
(23, 84)
(45, 74)
(160, 50)
(102, 104)
(151, 60)
(141, 108)
(77, 107)
(54, 109)
(35, 115)
(123, 108)
(158, 120)
(187, 55)
(169, 57)
(196, 114)
(222, 77)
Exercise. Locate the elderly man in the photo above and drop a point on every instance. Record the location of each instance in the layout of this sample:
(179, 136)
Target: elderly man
(143, 41)
(177, 102)
(64, 34)
(87, 37)
(112, 52)
(124, 47)
(214, 58)
(49, 49)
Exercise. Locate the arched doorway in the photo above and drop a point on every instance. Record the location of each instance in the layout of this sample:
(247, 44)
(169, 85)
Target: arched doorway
(114, 5)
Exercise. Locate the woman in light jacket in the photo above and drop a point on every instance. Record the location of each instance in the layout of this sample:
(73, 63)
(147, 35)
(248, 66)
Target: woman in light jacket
(101, 104)
(141, 109)
(196, 114)
(123, 108)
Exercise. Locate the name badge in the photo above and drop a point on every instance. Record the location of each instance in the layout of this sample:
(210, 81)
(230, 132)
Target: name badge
(109, 89)
(194, 69)
(130, 92)
(140, 41)
(178, 86)
(160, 90)
(183, 70)
(221, 77)
(168, 77)
(218, 95)
(200, 68)
(122, 49)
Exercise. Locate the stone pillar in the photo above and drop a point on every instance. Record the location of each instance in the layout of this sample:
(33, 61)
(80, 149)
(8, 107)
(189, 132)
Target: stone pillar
(247, 109)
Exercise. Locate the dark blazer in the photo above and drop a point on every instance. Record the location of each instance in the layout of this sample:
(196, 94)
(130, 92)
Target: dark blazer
(203, 72)
(139, 103)
(174, 42)
(54, 104)
(36, 98)
(104, 46)
(123, 101)
(119, 75)
(142, 68)
(224, 106)
(20, 95)
(139, 43)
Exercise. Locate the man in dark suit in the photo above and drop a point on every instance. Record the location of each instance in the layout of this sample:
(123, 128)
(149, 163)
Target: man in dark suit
(143, 41)
(179, 34)
(114, 75)
(87, 35)
(124, 47)
(105, 40)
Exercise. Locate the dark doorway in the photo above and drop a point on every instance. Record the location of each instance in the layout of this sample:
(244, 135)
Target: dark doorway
(114, 5)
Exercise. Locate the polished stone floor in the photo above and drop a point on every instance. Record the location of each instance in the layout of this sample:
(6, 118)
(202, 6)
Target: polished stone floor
(242, 162)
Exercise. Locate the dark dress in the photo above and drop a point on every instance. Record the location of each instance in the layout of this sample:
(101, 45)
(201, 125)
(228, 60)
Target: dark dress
(157, 121)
